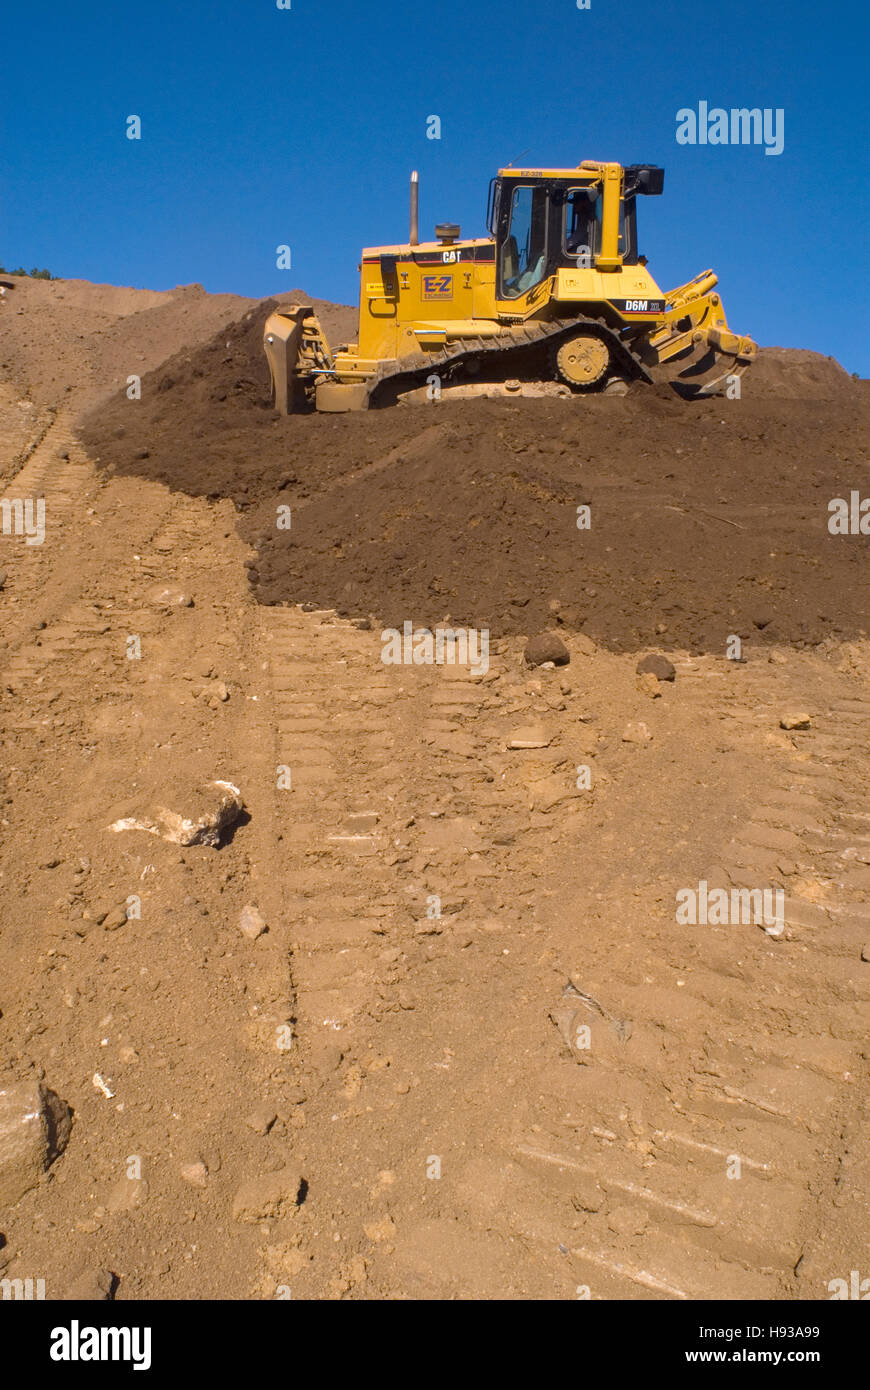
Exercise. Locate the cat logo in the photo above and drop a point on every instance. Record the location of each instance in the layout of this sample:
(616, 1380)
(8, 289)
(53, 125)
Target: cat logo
(437, 286)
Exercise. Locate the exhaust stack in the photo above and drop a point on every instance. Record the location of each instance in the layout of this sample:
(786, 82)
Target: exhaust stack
(414, 237)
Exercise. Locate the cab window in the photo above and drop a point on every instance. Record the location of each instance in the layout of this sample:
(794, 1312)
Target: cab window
(524, 250)
(581, 232)
(623, 244)
(582, 228)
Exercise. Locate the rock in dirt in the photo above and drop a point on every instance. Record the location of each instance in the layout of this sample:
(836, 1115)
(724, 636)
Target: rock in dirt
(34, 1128)
(252, 923)
(648, 684)
(551, 792)
(532, 736)
(269, 1197)
(546, 646)
(215, 695)
(113, 919)
(636, 733)
(795, 719)
(569, 1021)
(165, 596)
(262, 1118)
(761, 618)
(196, 1173)
(2, 578)
(91, 1286)
(209, 812)
(656, 665)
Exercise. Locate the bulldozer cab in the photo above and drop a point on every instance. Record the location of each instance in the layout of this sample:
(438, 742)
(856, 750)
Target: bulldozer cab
(542, 220)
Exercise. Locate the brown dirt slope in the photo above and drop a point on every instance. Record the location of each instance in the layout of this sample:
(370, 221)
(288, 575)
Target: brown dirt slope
(67, 338)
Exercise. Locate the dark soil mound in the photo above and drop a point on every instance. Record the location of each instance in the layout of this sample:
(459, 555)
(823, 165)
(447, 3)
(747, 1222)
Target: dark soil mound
(202, 408)
(706, 519)
(796, 374)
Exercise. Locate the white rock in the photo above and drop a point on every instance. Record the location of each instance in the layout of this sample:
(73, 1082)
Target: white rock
(164, 596)
(195, 1173)
(213, 808)
(636, 733)
(531, 736)
(793, 719)
(252, 923)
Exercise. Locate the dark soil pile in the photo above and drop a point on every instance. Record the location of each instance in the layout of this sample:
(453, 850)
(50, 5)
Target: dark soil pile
(707, 518)
(216, 391)
(797, 374)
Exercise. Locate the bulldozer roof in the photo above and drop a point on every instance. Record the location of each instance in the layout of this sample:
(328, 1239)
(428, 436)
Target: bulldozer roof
(590, 168)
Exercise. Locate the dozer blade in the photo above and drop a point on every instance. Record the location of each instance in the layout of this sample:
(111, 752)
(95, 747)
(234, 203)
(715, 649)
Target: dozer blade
(695, 350)
(708, 368)
(297, 351)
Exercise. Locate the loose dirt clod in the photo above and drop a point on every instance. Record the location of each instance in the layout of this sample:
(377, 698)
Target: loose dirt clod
(91, 1286)
(648, 684)
(274, 1195)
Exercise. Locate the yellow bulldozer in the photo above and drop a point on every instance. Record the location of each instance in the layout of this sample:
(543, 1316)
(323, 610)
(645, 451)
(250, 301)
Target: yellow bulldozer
(555, 301)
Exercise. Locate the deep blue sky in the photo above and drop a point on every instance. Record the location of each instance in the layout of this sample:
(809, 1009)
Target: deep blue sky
(263, 126)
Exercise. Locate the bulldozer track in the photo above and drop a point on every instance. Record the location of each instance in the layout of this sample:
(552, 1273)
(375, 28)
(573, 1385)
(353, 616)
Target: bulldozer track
(527, 335)
(379, 755)
(37, 586)
(352, 734)
(764, 1087)
(45, 422)
(52, 603)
